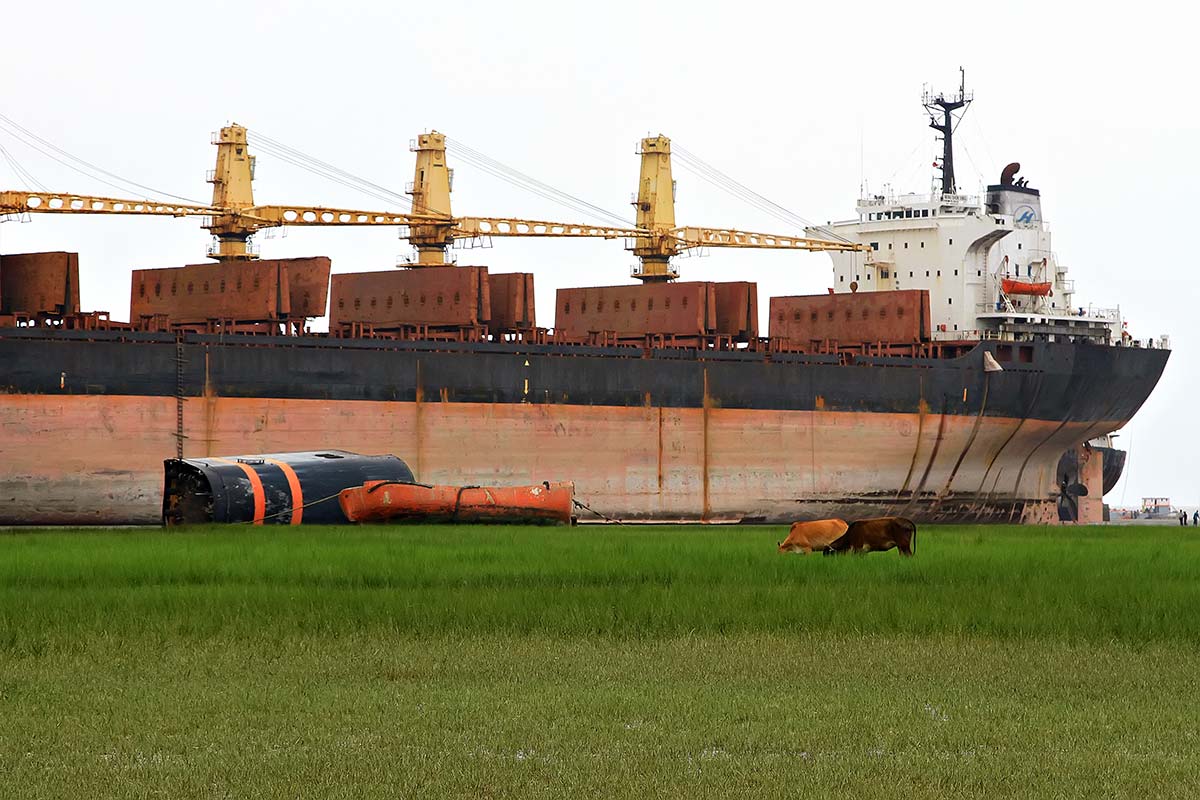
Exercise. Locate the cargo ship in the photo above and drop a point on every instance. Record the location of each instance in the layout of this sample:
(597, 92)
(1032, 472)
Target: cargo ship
(942, 377)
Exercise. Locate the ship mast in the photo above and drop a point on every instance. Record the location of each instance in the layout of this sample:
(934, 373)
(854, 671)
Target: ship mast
(943, 120)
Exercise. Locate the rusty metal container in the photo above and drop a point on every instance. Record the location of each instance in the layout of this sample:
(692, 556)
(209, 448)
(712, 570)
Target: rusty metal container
(308, 285)
(440, 296)
(682, 308)
(39, 283)
(272, 488)
(254, 291)
(852, 319)
(737, 309)
(512, 307)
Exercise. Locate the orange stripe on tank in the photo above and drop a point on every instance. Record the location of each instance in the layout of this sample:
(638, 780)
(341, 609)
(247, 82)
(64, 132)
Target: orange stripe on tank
(294, 485)
(260, 496)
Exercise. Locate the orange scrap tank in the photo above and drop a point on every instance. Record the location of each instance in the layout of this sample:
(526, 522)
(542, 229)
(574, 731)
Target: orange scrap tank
(392, 501)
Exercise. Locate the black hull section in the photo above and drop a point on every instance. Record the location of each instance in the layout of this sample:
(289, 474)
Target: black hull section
(1062, 382)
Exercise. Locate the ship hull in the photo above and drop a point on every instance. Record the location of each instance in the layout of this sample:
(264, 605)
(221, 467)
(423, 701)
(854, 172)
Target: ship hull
(665, 436)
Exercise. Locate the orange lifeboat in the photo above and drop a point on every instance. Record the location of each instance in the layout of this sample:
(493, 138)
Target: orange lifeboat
(394, 501)
(1012, 286)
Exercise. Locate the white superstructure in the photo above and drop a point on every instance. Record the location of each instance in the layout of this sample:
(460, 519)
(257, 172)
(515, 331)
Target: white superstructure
(962, 250)
(988, 263)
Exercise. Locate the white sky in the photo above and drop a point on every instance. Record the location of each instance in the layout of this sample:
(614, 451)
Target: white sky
(797, 101)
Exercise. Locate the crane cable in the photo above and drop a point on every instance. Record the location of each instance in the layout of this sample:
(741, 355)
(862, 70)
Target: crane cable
(292, 155)
(23, 175)
(530, 184)
(24, 135)
(698, 166)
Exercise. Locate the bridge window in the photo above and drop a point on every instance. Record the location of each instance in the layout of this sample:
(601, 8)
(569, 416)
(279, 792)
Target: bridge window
(421, 299)
(390, 301)
(842, 278)
(874, 245)
(650, 304)
(1018, 245)
(567, 307)
(922, 245)
(439, 298)
(795, 316)
(357, 303)
(457, 298)
(949, 301)
(829, 316)
(1004, 352)
(616, 305)
(889, 245)
(684, 301)
(583, 307)
(939, 273)
(906, 245)
(926, 273)
(633, 304)
(813, 318)
(925, 212)
(667, 303)
(1025, 355)
(910, 273)
(899, 311)
(599, 306)
(206, 287)
(190, 287)
(865, 313)
(222, 286)
(404, 298)
(883, 313)
(978, 273)
(951, 241)
(956, 273)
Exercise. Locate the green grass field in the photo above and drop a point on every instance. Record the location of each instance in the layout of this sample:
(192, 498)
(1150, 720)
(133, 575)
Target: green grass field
(598, 661)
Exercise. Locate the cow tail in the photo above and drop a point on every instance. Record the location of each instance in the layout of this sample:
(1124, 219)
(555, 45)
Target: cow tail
(913, 540)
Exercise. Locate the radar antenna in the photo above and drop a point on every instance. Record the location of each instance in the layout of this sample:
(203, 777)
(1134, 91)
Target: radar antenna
(943, 120)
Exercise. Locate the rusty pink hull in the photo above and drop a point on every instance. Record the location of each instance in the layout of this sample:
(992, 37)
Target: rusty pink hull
(80, 459)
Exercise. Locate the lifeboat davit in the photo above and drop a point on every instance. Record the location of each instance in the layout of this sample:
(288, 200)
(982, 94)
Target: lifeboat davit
(1012, 286)
(396, 501)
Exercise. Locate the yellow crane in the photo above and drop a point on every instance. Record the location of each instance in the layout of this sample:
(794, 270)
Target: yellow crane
(233, 216)
(656, 214)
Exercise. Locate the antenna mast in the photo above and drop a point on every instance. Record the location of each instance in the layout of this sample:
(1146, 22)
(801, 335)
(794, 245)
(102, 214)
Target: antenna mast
(943, 120)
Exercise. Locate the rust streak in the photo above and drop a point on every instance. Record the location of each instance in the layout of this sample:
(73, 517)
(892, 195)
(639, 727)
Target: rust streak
(970, 439)
(660, 449)
(707, 502)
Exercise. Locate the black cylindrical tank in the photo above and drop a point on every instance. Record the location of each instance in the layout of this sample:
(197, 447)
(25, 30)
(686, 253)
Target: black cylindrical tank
(272, 488)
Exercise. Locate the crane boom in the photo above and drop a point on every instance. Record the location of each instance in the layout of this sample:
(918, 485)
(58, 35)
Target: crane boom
(724, 237)
(470, 227)
(20, 202)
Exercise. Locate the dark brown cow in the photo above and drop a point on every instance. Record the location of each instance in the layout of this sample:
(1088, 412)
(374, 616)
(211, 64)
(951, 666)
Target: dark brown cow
(804, 537)
(876, 535)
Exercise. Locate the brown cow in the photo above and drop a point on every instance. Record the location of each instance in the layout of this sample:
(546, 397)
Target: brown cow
(804, 537)
(876, 535)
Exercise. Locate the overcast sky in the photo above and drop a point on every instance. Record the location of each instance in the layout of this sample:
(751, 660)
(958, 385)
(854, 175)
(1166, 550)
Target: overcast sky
(799, 101)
